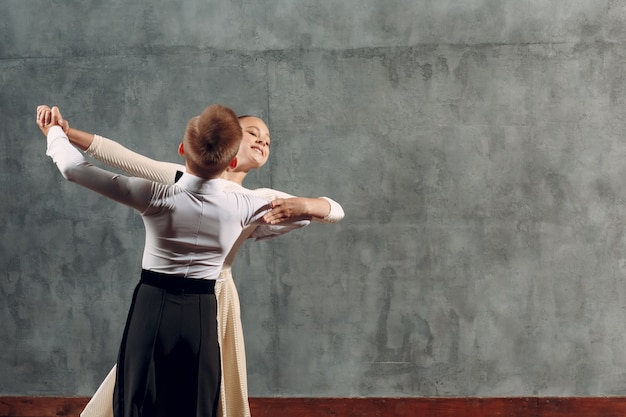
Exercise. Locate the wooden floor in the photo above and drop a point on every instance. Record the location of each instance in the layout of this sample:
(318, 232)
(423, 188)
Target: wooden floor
(366, 407)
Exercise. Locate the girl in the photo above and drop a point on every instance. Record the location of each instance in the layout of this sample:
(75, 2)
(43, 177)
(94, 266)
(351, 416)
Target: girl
(253, 153)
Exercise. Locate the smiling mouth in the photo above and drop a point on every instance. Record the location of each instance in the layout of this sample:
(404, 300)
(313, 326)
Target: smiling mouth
(259, 150)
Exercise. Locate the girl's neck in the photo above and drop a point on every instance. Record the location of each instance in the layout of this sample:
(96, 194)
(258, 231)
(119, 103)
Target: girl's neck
(234, 176)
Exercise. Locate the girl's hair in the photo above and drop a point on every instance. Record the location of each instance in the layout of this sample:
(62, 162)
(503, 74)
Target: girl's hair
(212, 140)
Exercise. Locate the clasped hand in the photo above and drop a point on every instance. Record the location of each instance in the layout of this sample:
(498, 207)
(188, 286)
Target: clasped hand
(48, 117)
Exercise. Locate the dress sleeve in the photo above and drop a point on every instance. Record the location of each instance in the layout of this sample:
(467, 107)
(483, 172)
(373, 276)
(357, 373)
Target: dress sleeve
(267, 231)
(335, 215)
(133, 192)
(136, 165)
(336, 212)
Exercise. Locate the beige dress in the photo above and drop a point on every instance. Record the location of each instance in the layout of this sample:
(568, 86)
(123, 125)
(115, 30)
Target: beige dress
(234, 387)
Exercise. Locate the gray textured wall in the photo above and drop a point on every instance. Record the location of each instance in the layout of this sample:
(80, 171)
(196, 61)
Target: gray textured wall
(477, 147)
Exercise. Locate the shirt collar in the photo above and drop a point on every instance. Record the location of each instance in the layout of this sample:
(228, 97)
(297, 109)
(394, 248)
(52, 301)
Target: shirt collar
(200, 185)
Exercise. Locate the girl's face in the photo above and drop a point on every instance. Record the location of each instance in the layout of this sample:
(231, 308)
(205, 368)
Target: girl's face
(255, 145)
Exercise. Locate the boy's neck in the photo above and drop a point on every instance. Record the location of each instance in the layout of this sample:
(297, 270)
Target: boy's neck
(190, 170)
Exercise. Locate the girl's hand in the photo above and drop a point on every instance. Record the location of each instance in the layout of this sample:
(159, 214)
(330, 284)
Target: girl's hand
(284, 209)
(57, 119)
(44, 119)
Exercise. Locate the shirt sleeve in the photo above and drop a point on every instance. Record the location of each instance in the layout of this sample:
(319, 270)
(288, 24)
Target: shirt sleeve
(136, 165)
(133, 192)
(268, 231)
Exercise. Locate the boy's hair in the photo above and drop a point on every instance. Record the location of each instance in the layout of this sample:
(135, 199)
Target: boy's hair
(212, 140)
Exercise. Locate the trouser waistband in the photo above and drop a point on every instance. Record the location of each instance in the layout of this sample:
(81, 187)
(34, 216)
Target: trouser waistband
(177, 284)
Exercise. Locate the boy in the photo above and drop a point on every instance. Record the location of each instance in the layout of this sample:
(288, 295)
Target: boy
(168, 363)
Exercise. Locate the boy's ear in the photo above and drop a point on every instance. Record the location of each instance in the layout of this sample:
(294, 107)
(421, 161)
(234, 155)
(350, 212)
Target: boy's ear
(181, 149)
(233, 163)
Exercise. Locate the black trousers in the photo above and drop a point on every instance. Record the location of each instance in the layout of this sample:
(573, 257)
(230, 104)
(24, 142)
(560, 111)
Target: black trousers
(169, 359)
